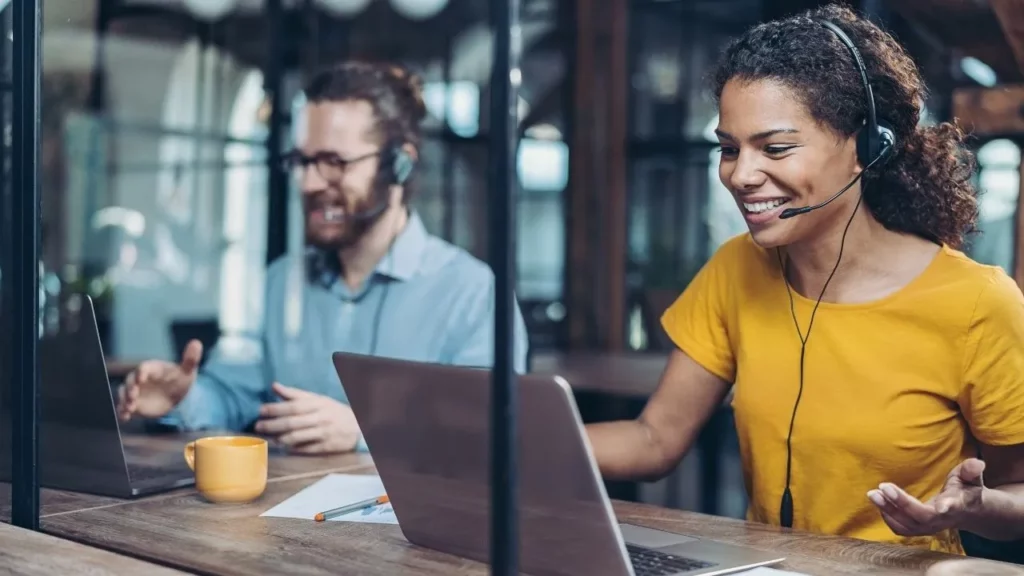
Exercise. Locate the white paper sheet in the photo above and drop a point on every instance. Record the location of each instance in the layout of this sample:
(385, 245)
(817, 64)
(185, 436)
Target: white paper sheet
(335, 491)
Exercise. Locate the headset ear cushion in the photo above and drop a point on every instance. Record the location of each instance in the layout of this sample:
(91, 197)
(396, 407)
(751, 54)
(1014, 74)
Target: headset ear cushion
(870, 145)
(886, 142)
(402, 166)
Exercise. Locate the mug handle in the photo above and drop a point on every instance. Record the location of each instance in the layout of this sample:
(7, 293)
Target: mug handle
(190, 455)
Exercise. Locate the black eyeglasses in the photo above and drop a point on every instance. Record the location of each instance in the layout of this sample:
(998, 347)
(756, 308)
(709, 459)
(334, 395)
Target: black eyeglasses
(329, 165)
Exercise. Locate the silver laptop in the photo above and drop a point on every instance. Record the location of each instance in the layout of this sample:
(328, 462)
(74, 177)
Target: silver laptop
(81, 445)
(427, 427)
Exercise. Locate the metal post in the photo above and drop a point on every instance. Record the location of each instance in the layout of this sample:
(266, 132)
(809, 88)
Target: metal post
(504, 122)
(277, 179)
(25, 265)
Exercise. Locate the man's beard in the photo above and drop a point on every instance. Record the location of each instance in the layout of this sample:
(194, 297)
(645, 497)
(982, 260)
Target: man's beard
(351, 227)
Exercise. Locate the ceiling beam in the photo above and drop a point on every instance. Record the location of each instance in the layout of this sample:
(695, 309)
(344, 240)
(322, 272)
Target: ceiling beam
(990, 112)
(1010, 14)
(969, 26)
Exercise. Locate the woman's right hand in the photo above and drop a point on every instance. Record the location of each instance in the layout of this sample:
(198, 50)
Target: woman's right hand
(155, 387)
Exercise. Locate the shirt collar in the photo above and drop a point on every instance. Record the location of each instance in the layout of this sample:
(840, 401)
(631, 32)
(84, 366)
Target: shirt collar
(401, 262)
(403, 259)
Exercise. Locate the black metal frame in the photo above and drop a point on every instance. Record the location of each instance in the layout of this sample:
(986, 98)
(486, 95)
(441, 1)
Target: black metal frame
(25, 266)
(277, 178)
(504, 132)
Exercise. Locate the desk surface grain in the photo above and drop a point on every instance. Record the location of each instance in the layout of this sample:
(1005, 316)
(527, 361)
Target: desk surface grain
(182, 530)
(28, 553)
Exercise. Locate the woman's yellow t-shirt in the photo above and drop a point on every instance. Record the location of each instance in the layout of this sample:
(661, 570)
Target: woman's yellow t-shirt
(895, 390)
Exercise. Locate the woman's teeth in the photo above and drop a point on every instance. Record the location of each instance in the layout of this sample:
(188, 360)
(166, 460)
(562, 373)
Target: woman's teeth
(759, 207)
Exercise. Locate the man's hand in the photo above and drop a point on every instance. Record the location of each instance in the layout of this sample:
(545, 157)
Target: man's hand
(309, 423)
(156, 386)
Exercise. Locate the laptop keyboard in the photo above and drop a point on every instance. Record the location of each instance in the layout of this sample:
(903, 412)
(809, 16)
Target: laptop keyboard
(647, 562)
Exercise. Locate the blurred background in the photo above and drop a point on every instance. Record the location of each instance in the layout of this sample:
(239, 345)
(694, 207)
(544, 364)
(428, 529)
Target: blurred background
(161, 118)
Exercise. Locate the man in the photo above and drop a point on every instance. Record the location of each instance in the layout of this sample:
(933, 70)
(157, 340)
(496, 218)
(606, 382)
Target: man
(373, 282)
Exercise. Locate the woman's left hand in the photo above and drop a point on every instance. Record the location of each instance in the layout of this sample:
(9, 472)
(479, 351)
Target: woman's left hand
(908, 516)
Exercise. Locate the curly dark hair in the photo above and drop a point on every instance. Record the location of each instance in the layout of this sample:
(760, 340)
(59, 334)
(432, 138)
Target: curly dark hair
(394, 93)
(926, 188)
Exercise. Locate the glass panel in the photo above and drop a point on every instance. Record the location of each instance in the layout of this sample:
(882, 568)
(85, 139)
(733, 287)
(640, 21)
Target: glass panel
(167, 201)
(162, 195)
(155, 215)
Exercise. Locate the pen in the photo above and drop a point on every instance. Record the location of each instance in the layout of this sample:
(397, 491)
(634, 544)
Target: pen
(351, 508)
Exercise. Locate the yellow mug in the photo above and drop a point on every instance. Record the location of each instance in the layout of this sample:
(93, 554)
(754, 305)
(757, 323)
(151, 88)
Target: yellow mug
(229, 469)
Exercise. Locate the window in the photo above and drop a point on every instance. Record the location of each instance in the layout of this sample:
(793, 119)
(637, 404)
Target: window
(245, 215)
(999, 186)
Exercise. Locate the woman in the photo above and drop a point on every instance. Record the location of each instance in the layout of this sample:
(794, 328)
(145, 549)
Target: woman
(870, 358)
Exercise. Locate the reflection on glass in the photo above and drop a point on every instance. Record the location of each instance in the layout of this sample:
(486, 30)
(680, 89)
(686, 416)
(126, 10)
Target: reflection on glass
(245, 215)
(156, 130)
(160, 214)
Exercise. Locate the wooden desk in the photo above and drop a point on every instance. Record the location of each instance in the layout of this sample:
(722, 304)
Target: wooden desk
(28, 553)
(182, 530)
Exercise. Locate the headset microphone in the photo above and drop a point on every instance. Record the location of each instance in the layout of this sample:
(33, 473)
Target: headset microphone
(339, 215)
(790, 212)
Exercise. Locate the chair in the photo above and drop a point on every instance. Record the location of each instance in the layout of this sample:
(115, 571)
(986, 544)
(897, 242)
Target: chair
(979, 547)
(206, 331)
(654, 302)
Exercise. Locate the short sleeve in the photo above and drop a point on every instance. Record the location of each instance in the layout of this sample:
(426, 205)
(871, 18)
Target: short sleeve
(697, 321)
(992, 398)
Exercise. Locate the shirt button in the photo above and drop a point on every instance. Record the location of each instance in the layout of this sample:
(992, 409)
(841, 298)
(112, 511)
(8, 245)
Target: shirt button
(347, 307)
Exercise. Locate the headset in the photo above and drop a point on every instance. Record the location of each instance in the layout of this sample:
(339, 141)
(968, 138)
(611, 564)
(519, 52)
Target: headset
(401, 163)
(876, 142)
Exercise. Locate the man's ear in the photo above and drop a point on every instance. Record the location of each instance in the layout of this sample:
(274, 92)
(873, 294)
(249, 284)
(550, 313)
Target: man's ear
(398, 193)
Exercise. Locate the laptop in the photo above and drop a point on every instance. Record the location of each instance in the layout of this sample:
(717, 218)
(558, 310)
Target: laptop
(427, 427)
(81, 445)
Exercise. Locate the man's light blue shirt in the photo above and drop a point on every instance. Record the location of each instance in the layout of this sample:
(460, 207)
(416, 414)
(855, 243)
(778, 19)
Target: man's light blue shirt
(429, 300)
